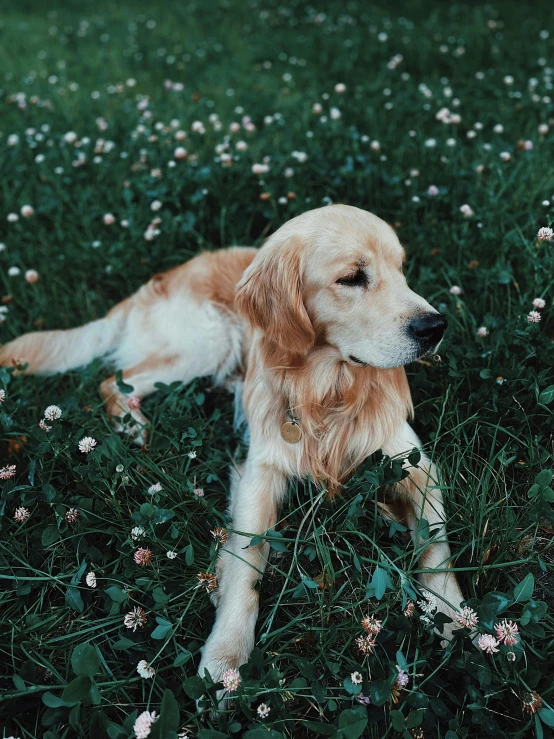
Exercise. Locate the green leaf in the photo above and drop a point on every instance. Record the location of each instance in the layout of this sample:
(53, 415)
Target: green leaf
(262, 733)
(116, 594)
(49, 536)
(182, 658)
(124, 643)
(397, 720)
(350, 687)
(123, 386)
(524, 591)
(194, 687)
(546, 716)
(319, 692)
(544, 478)
(73, 599)
(77, 690)
(380, 582)
(54, 701)
(211, 734)
(352, 722)
(85, 660)
(415, 718)
(380, 692)
(169, 717)
(161, 631)
(547, 395)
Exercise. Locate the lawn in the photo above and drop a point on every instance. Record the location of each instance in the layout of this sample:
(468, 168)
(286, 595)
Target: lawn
(439, 118)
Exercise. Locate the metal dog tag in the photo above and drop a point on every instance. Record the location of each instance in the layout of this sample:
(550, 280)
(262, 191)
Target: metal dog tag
(291, 432)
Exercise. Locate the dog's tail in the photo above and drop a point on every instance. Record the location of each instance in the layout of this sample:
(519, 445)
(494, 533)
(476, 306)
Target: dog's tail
(48, 352)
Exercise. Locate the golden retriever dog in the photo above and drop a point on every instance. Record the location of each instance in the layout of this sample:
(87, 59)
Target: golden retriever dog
(313, 329)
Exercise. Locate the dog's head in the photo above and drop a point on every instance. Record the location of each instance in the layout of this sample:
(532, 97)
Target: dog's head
(334, 276)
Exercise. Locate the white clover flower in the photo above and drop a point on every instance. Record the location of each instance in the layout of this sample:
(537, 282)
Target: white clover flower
(53, 413)
(144, 670)
(87, 444)
(91, 580)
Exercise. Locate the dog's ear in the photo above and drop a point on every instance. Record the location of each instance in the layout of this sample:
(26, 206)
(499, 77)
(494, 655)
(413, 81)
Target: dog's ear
(269, 296)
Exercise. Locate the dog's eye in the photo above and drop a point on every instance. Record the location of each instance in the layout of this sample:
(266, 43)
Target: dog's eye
(355, 279)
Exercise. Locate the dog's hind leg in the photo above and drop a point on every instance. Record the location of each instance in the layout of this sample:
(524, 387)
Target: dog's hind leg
(143, 378)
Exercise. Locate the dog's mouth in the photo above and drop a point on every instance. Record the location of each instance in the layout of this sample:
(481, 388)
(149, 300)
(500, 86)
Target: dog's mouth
(357, 361)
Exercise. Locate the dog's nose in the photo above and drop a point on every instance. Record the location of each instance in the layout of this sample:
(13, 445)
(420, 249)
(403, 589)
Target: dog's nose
(428, 329)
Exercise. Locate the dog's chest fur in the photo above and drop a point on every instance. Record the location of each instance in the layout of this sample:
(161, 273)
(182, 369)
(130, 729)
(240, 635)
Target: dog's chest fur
(344, 413)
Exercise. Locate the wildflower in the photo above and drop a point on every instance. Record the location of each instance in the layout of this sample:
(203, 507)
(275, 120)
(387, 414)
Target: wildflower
(87, 444)
(7, 472)
(531, 702)
(263, 710)
(545, 234)
(467, 618)
(409, 610)
(366, 643)
(365, 700)
(371, 625)
(335, 114)
(155, 488)
(300, 156)
(2, 396)
(543, 129)
(53, 413)
(340, 88)
(156, 205)
(356, 678)
(375, 145)
(144, 723)
(317, 108)
(143, 556)
(180, 153)
(482, 331)
(199, 492)
(91, 580)
(171, 554)
(455, 290)
(507, 632)
(511, 656)
(192, 454)
(206, 580)
(505, 156)
(487, 643)
(32, 276)
(534, 316)
(71, 515)
(133, 403)
(220, 536)
(539, 303)
(27, 211)
(433, 190)
(144, 670)
(231, 679)
(137, 532)
(260, 168)
(21, 514)
(403, 678)
(108, 219)
(429, 604)
(467, 211)
(401, 681)
(135, 619)
(12, 218)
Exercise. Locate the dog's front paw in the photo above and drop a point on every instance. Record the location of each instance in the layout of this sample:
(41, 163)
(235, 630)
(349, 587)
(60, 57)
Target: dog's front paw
(221, 658)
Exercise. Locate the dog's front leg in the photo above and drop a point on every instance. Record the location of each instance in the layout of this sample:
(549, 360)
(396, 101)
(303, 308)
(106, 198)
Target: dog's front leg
(419, 497)
(254, 505)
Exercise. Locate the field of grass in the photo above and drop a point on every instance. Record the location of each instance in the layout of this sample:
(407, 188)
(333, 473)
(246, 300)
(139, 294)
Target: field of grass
(446, 105)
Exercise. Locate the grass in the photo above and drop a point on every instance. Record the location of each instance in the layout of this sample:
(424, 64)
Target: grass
(484, 410)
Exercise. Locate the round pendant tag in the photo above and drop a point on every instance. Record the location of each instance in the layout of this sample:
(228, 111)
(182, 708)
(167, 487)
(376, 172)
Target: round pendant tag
(291, 432)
